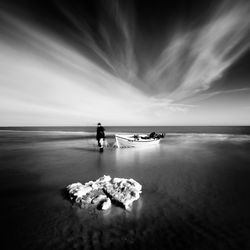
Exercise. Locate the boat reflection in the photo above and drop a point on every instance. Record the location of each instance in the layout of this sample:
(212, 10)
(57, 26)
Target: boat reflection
(132, 156)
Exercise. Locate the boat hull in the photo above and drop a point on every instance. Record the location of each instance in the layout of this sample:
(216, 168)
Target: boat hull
(130, 141)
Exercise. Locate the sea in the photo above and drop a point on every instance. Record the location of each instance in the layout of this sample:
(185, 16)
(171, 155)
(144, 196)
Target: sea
(195, 188)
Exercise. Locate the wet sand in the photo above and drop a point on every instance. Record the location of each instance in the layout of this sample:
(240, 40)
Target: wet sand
(195, 193)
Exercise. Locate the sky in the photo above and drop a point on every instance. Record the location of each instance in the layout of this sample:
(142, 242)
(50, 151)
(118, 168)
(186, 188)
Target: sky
(124, 62)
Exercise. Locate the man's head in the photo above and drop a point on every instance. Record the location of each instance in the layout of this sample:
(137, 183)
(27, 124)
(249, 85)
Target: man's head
(98, 124)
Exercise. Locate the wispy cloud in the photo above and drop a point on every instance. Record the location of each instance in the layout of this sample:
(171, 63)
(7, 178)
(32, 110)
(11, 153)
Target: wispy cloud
(204, 96)
(112, 39)
(193, 60)
(44, 80)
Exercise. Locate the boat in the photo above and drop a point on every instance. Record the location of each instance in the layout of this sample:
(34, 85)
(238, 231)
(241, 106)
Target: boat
(136, 140)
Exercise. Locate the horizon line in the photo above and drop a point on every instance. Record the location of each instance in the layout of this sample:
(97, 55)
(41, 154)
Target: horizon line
(219, 125)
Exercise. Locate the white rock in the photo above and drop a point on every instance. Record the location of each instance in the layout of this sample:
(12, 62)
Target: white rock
(125, 191)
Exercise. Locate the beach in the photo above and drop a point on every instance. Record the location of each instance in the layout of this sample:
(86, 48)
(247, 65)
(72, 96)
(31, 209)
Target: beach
(195, 189)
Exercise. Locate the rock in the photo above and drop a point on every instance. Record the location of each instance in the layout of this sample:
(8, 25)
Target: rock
(124, 191)
(105, 204)
(121, 190)
(77, 190)
(99, 183)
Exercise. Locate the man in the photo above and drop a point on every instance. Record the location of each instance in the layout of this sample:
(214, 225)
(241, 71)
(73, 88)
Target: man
(100, 136)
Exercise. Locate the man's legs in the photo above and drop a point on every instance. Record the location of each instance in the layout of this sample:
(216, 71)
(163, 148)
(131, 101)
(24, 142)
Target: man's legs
(101, 144)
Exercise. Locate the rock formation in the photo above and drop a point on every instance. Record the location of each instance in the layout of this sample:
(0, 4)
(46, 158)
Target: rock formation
(124, 191)
(104, 190)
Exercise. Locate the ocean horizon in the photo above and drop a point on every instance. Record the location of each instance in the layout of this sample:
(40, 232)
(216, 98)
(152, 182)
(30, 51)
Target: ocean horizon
(171, 129)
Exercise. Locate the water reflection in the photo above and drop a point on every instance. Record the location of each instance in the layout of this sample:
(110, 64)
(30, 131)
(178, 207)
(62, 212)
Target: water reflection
(134, 156)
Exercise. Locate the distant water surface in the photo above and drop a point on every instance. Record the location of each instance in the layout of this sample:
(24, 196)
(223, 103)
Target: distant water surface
(136, 129)
(195, 195)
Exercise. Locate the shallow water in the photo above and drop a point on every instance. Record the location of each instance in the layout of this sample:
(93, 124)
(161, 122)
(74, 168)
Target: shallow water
(195, 191)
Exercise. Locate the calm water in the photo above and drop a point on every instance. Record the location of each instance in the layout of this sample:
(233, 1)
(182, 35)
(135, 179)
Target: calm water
(196, 189)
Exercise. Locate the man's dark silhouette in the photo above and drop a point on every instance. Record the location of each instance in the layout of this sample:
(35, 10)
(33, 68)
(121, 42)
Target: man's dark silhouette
(100, 136)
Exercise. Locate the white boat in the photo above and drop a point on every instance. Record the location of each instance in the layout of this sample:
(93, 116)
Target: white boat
(131, 140)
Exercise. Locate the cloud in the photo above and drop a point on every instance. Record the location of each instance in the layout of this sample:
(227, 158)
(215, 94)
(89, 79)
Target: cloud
(112, 38)
(45, 81)
(205, 96)
(193, 60)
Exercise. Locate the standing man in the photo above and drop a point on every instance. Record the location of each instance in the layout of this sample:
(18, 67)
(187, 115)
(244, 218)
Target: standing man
(100, 136)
